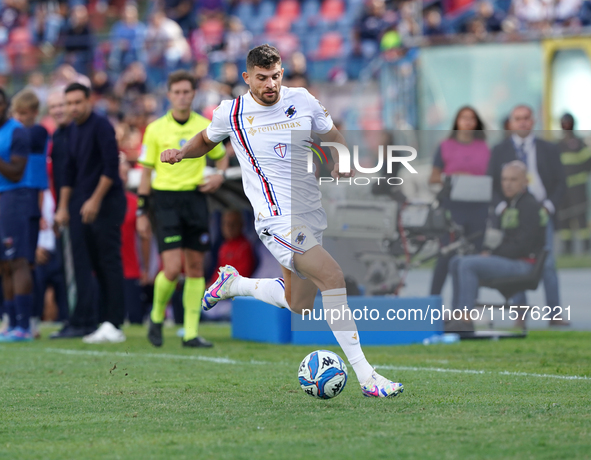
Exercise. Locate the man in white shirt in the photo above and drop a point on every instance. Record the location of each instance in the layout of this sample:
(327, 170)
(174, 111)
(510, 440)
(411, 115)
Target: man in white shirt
(268, 128)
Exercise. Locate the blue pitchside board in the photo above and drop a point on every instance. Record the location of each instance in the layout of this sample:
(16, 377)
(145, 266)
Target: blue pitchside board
(259, 322)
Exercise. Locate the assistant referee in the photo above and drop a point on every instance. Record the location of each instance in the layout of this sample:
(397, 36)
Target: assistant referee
(179, 207)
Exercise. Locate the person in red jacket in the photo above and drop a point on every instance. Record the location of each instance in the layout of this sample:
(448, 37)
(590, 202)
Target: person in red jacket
(236, 250)
(135, 276)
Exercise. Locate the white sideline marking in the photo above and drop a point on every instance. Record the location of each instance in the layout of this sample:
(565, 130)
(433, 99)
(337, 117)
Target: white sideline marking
(470, 371)
(65, 351)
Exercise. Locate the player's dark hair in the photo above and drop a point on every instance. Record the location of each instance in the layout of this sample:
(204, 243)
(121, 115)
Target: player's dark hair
(181, 75)
(478, 130)
(3, 95)
(78, 87)
(263, 56)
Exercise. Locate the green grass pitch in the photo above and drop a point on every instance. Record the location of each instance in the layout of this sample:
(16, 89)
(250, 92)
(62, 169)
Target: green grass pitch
(473, 400)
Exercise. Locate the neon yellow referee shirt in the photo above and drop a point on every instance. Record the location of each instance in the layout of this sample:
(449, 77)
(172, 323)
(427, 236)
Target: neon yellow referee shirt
(167, 133)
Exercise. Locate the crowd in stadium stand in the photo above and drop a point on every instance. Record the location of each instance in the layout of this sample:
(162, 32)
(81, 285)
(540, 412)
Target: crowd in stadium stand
(101, 35)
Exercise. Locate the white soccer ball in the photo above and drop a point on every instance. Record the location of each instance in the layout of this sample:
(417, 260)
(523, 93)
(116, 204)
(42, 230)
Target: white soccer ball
(322, 374)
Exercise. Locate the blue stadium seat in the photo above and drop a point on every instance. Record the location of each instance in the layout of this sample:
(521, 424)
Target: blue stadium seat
(310, 8)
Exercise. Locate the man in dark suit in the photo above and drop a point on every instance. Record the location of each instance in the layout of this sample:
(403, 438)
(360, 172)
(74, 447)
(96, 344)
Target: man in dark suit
(546, 183)
(93, 188)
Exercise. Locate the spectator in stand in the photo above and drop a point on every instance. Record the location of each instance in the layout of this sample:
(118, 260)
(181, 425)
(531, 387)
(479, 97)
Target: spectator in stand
(135, 275)
(132, 84)
(167, 48)
(127, 40)
(546, 183)
(66, 74)
(476, 29)
(236, 250)
(492, 20)
(78, 40)
(408, 25)
(36, 83)
(93, 189)
(433, 23)
(534, 14)
(181, 11)
(231, 83)
(566, 13)
(48, 21)
(464, 153)
(13, 14)
(101, 86)
(296, 75)
(237, 40)
(370, 27)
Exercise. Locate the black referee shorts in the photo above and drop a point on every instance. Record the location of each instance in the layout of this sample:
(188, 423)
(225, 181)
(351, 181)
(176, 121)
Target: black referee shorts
(181, 220)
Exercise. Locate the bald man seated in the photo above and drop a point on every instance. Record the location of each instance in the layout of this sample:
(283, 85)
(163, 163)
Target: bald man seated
(524, 226)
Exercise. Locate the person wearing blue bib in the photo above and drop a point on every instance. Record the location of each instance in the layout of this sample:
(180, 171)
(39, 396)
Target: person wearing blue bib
(25, 109)
(19, 225)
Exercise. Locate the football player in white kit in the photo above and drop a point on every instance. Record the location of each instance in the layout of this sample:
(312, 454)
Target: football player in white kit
(268, 128)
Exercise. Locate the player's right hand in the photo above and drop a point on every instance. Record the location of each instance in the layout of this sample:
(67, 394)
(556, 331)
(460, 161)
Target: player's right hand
(171, 156)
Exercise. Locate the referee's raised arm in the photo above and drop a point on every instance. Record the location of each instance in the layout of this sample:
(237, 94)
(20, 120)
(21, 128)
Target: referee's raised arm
(195, 147)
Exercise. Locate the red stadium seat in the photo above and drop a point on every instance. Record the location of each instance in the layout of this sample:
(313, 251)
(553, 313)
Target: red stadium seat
(278, 25)
(331, 46)
(332, 10)
(288, 9)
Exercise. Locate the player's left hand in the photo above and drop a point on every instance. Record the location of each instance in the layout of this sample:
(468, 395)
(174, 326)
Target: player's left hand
(212, 183)
(90, 210)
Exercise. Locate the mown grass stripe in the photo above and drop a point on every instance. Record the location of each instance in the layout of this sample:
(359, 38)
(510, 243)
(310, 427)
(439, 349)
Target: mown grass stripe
(253, 362)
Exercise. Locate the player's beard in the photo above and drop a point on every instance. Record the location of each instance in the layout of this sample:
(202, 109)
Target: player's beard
(268, 99)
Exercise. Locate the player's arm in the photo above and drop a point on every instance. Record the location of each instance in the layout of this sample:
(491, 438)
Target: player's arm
(204, 141)
(334, 135)
(196, 147)
(14, 169)
(215, 181)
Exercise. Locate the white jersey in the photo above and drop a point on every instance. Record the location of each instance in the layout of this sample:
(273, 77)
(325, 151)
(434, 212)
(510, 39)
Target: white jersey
(272, 144)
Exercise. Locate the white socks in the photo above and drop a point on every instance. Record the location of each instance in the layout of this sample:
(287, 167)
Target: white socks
(272, 291)
(345, 331)
(269, 290)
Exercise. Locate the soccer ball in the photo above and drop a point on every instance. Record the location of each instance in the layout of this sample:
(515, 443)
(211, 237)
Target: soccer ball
(322, 374)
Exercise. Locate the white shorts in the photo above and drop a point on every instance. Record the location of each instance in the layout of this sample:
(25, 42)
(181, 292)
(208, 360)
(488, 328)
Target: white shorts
(285, 236)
